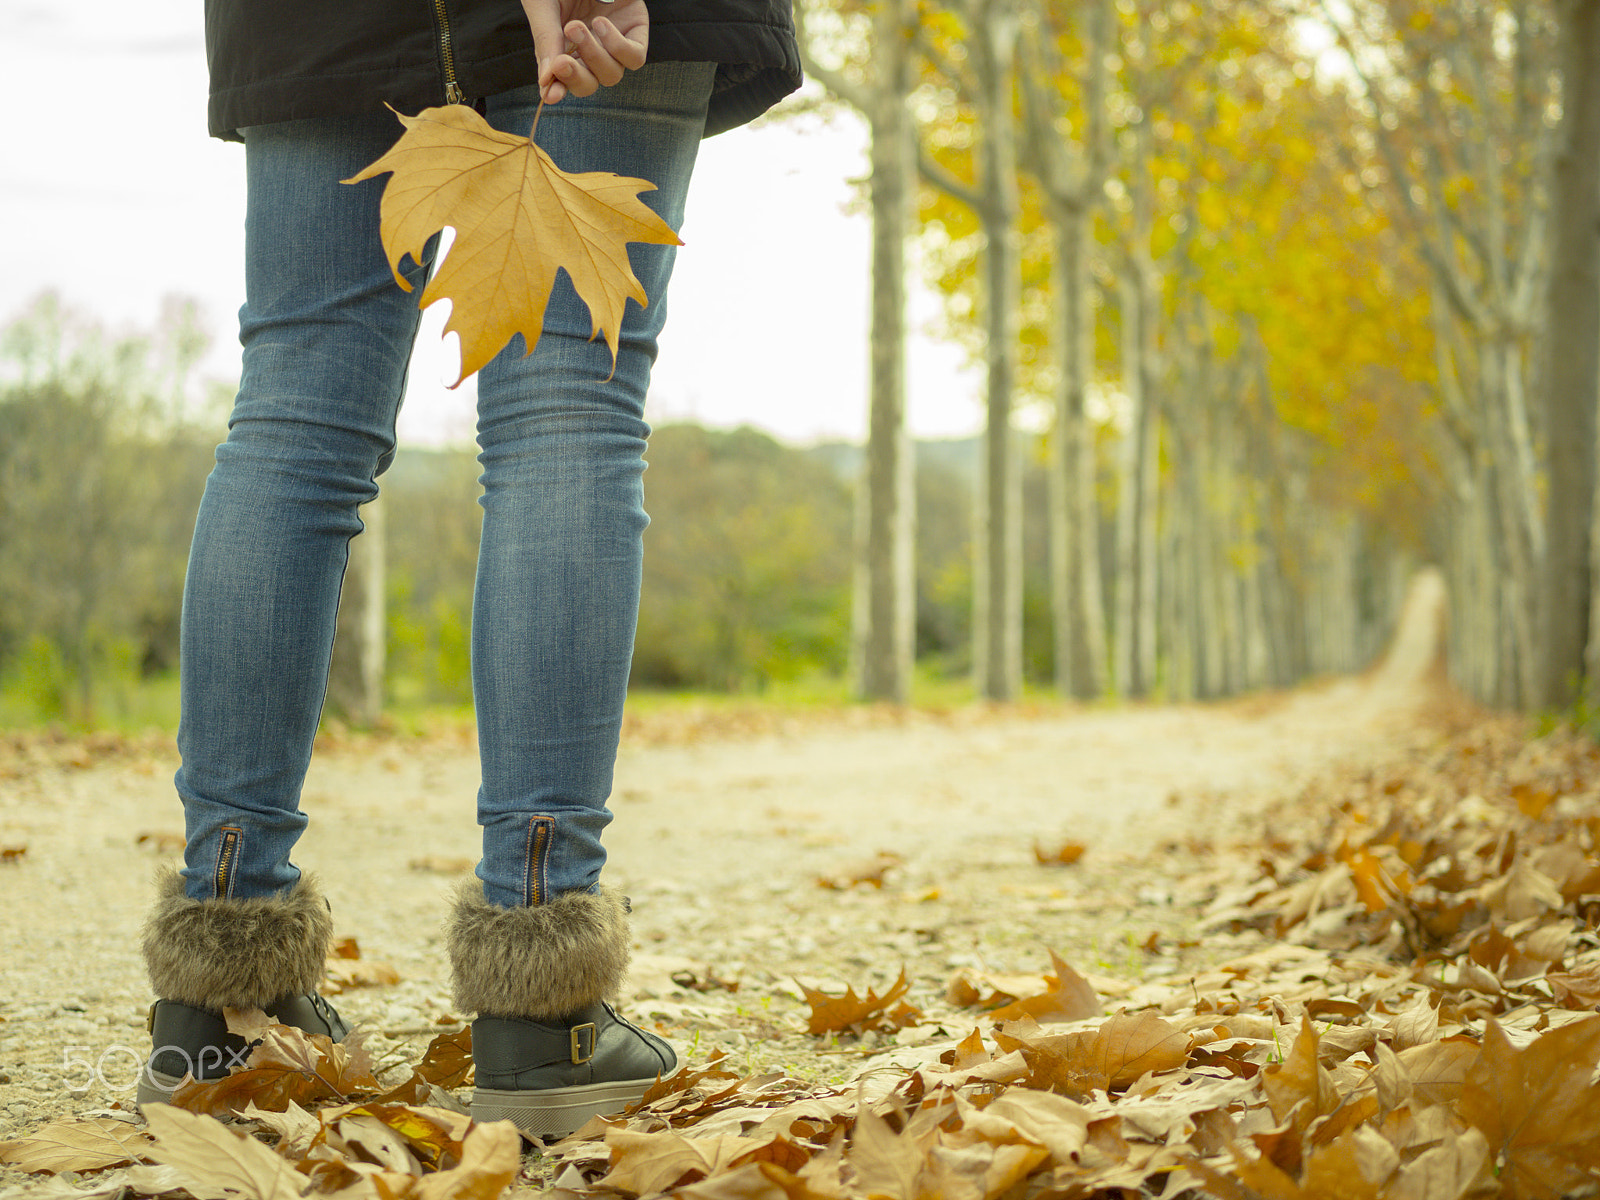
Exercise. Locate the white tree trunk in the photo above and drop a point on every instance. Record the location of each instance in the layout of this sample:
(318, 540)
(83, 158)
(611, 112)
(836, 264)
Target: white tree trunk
(884, 609)
(371, 549)
(997, 610)
(1572, 363)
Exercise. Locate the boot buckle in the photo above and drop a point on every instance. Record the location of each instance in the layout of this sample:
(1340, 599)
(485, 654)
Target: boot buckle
(580, 1055)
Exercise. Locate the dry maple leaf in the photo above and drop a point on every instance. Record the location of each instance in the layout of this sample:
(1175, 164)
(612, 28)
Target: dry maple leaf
(342, 974)
(491, 1156)
(868, 870)
(90, 1144)
(432, 1139)
(1111, 1057)
(835, 1014)
(210, 1157)
(1538, 1109)
(296, 1128)
(447, 1061)
(687, 1078)
(649, 1163)
(518, 219)
(1060, 855)
(1065, 996)
(286, 1065)
(1131, 1045)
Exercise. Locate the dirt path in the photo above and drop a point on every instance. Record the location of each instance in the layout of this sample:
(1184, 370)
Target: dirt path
(720, 843)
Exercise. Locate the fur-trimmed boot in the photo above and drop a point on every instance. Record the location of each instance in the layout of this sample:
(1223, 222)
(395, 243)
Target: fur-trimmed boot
(548, 1050)
(207, 955)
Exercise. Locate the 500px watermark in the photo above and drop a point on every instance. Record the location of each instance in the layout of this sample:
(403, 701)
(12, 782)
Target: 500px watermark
(121, 1069)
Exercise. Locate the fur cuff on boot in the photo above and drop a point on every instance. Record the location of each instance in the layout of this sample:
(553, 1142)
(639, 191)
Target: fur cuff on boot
(539, 962)
(217, 954)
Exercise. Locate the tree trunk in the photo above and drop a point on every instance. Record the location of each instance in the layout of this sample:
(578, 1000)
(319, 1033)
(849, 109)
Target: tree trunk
(372, 552)
(1130, 493)
(1150, 581)
(1080, 633)
(884, 610)
(1070, 178)
(997, 610)
(1572, 362)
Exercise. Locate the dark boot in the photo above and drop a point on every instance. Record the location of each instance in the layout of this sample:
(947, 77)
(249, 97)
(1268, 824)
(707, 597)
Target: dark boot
(207, 955)
(548, 1051)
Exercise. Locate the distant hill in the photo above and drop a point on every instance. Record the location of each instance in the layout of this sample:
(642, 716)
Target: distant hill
(957, 456)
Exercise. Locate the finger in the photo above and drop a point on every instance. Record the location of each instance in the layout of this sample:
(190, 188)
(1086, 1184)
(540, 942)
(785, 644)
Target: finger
(549, 39)
(577, 78)
(628, 49)
(591, 51)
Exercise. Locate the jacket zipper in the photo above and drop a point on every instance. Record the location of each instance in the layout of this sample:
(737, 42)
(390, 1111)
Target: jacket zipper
(447, 54)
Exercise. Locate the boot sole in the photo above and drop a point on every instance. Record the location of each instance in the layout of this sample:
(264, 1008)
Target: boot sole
(156, 1087)
(548, 1113)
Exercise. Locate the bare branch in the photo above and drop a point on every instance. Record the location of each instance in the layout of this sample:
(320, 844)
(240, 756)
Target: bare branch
(932, 173)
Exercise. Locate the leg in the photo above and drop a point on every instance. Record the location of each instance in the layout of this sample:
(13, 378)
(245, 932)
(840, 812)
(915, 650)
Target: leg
(538, 945)
(327, 336)
(558, 573)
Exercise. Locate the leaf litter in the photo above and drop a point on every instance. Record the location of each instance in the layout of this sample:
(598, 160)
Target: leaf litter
(1409, 1012)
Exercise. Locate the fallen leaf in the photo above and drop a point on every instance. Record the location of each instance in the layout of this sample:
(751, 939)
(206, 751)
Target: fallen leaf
(342, 974)
(296, 1128)
(1124, 1048)
(362, 1137)
(869, 871)
(447, 1062)
(972, 988)
(650, 1163)
(491, 1156)
(1456, 1168)
(1438, 1070)
(286, 1065)
(836, 1014)
(207, 1154)
(1129, 1046)
(1061, 854)
(518, 219)
(1538, 1108)
(345, 947)
(1066, 996)
(76, 1144)
(1300, 1079)
(688, 1077)
(887, 1162)
(1578, 988)
(1415, 1025)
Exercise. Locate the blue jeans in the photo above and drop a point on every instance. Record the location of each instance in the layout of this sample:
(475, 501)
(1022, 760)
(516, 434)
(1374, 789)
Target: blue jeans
(327, 337)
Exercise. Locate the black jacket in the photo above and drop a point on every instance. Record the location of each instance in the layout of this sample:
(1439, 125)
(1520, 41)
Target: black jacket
(280, 60)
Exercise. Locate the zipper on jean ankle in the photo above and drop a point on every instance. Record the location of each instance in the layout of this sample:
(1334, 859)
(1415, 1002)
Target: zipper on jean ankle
(227, 859)
(533, 880)
(447, 53)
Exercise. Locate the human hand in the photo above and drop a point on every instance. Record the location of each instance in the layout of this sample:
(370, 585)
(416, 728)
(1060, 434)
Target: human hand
(584, 45)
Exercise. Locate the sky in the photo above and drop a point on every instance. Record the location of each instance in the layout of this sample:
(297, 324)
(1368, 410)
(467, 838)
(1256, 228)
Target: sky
(114, 196)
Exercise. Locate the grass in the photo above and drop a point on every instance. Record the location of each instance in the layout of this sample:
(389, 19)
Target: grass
(118, 705)
(125, 703)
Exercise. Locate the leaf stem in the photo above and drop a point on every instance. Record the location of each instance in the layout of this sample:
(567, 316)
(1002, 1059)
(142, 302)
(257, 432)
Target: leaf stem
(536, 114)
(325, 1082)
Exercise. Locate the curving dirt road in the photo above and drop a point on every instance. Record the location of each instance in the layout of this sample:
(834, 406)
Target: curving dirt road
(720, 842)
